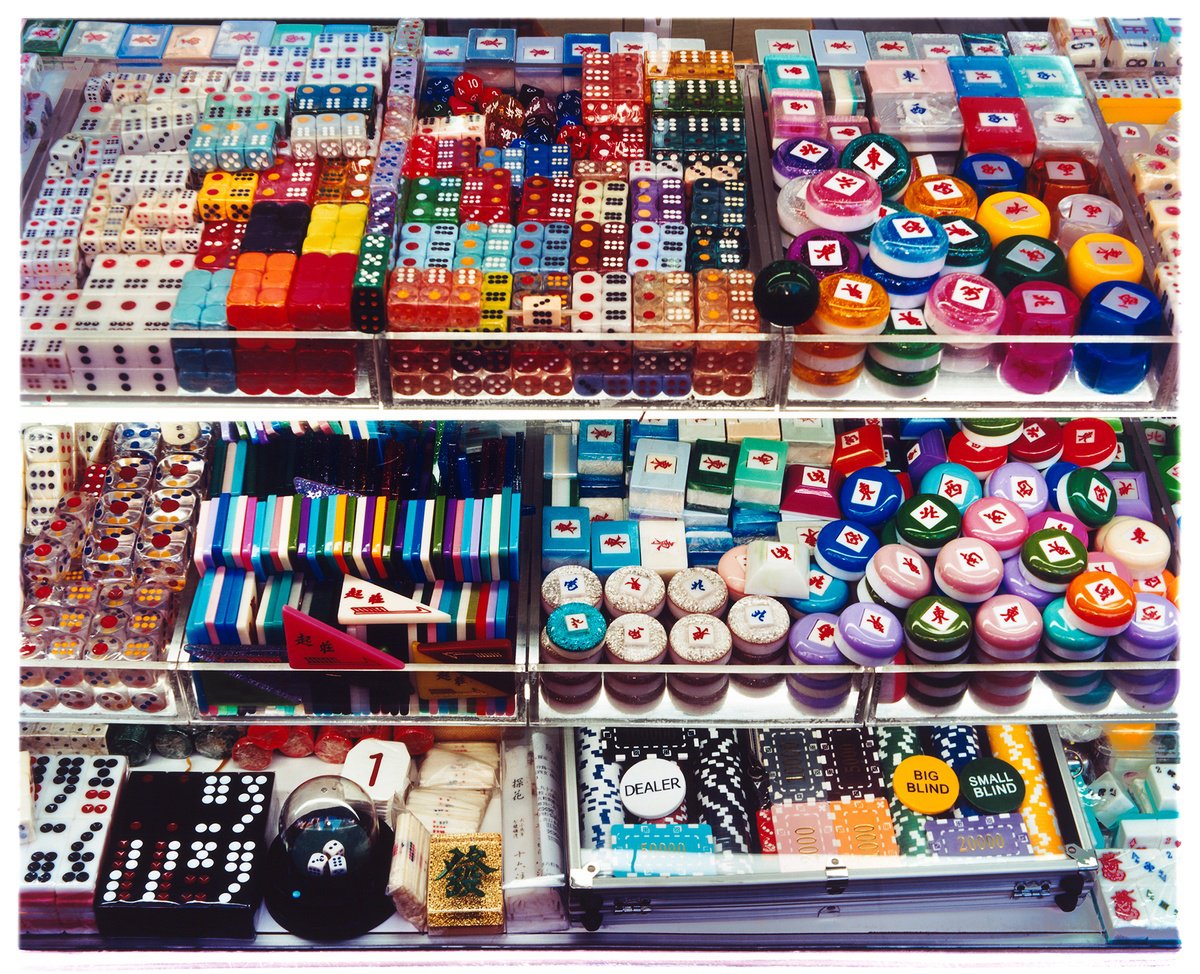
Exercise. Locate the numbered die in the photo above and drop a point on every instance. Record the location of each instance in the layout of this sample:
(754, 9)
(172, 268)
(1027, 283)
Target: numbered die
(337, 866)
(317, 864)
(333, 849)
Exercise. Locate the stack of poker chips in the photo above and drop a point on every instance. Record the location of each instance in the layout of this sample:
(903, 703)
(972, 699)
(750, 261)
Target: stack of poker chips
(958, 745)
(599, 797)
(1014, 743)
(895, 745)
(721, 796)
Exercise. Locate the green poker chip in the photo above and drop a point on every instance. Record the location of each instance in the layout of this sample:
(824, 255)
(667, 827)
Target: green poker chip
(895, 377)
(1157, 434)
(927, 522)
(1089, 495)
(991, 427)
(937, 623)
(970, 244)
(1053, 556)
(1025, 258)
(907, 324)
(882, 157)
(991, 785)
(1168, 470)
(887, 533)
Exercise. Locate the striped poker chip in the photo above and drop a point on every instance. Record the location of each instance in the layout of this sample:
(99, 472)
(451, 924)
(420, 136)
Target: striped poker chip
(722, 787)
(895, 745)
(600, 801)
(1014, 743)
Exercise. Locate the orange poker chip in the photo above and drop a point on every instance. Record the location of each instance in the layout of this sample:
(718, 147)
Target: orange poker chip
(863, 827)
(925, 784)
(1100, 603)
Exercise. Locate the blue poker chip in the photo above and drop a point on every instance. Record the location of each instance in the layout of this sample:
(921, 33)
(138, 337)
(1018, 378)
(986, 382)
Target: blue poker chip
(825, 594)
(991, 172)
(953, 481)
(1054, 474)
(871, 495)
(918, 426)
(904, 292)
(576, 627)
(909, 245)
(844, 548)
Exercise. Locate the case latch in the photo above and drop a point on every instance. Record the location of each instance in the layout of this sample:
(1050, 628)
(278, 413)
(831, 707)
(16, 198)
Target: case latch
(837, 877)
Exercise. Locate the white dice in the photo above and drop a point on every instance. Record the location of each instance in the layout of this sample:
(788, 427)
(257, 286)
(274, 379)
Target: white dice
(333, 849)
(337, 866)
(317, 863)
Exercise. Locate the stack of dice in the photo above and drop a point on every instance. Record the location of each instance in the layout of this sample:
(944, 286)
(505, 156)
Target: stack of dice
(614, 105)
(103, 573)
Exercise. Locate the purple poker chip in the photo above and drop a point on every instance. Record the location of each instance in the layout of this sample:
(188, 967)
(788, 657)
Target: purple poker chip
(869, 634)
(825, 252)
(1154, 632)
(1015, 583)
(802, 157)
(1159, 699)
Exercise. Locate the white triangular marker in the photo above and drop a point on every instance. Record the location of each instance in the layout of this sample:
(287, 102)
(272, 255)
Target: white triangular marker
(364, 603)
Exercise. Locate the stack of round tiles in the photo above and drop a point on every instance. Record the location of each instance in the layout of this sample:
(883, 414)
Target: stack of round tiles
(958, 745)
(721, 797)
(599, 797)
(895, 745)
(1014, 743)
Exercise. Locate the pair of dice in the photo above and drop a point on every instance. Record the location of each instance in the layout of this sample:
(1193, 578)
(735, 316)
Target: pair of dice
(331, 859)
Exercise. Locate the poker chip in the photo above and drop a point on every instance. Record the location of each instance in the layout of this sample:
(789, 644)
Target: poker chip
(1025, 257)
(598, 782)
(926, 522)
(1040, 444)
(1087, 494)
(1089, 442)
(851, 305)
(868, 634)
(882, 157)
(968, 570)
(970, 245)
(937, 629)
(790, 208)
(870, 495)
(1051, 558)
(1008, 628)
(1153, 633)
(937, 195)
(842, 199)
(802, 157)
(999, 522)
(1063, 522)
(1014, 744)
(844, 549)
(574, 630)
(1100, 258)
(990, 431)
(824, 252)
(897, 576)
(1021, 484)
(954, 482)
(979, 459)
(909, 245)
(908, 356)
(1100, 603)
(1142, 546)
(895, 745)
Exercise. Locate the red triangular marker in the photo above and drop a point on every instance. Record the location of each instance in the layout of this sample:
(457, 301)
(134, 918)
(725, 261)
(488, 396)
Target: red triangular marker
(364, 603)
(312, 645)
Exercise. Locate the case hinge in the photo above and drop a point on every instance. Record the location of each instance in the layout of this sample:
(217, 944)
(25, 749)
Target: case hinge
(1032, 889)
